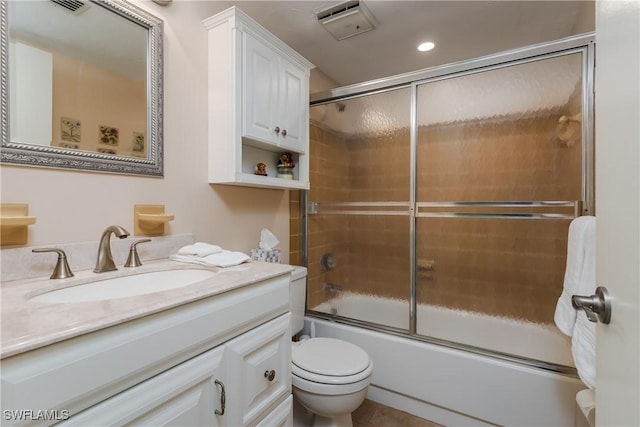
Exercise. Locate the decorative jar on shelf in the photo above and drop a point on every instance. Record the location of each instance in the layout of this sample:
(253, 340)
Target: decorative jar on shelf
(285, 172)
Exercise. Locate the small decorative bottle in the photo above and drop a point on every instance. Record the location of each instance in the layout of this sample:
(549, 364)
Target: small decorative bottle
(285, 167)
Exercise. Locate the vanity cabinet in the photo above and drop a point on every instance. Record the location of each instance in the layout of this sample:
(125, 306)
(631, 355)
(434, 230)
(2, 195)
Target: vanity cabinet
(235, 384)
(167, 368)
(258, 104)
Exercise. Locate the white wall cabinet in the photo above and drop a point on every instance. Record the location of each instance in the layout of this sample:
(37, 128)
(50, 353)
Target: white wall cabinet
(258, 103)
(276, 98)
(168, 368)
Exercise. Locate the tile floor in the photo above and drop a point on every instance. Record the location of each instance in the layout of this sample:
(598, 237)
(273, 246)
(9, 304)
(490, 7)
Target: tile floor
(372, 414)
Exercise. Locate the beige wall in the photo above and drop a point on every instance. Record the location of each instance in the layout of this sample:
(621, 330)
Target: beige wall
(97, 97)
(77, 206)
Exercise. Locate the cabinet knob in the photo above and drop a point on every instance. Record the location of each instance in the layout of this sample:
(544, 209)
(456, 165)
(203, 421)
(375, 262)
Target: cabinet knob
(284, 132)
(270, 375)
(277, 130)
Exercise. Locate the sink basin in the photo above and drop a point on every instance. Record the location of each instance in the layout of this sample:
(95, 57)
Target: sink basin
(125, 286)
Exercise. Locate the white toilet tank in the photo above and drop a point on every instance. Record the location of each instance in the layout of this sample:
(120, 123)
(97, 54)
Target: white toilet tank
(297, 298)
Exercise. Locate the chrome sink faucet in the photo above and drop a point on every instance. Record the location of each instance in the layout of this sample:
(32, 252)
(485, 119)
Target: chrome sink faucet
(105, 259)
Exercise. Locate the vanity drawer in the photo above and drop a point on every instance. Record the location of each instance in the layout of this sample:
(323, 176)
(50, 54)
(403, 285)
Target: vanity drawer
(259, 362)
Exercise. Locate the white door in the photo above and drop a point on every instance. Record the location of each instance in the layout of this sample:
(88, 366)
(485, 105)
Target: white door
(618, 209)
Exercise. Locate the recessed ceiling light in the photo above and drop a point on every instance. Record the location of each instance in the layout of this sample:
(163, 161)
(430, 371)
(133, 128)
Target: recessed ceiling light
(423, 47)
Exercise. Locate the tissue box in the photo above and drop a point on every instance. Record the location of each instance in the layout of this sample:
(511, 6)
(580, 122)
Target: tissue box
(266, 255)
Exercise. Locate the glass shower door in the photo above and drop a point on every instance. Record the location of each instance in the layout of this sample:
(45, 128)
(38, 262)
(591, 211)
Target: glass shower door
(358, 225)
(499, 167)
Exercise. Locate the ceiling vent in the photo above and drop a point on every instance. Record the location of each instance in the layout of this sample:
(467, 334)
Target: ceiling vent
(347, 19)
(74, 6)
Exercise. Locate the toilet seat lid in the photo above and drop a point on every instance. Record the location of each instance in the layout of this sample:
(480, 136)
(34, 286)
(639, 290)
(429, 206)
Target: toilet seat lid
(329, 356)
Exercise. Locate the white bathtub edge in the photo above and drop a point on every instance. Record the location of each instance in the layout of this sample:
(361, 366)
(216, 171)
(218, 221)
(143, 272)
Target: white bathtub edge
(461, 383)
(422, 409)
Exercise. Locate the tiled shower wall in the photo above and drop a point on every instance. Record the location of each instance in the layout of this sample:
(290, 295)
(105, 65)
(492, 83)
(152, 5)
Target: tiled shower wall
(485, 265)
(328, 173)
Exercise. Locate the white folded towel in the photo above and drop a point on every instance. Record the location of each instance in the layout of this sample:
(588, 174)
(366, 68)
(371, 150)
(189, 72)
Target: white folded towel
(220, 259)
(199, 249)
(580, 279)
(565, 314)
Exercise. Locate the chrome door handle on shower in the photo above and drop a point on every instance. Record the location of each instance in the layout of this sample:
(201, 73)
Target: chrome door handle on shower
(597, 307)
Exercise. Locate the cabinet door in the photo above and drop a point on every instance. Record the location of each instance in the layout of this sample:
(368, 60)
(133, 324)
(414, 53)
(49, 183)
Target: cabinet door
(260, 91)
(259, 363)
(294, 107)
(187, 395)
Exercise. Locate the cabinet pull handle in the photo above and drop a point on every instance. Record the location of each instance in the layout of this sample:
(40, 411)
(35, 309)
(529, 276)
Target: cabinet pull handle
(284, 132)
(223, 398)
(277, 130)
(270, 375)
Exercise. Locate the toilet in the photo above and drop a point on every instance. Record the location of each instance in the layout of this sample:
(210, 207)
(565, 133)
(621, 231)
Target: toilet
(330, 377)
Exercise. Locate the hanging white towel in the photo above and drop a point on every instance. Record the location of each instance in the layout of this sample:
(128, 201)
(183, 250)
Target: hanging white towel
(580, 279)
(220, 259)
(199, 249)
(565, 314)
(583, 347)
(583, 339)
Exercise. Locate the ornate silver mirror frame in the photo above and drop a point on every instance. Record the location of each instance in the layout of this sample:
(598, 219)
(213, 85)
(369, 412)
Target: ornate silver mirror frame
(56, 157)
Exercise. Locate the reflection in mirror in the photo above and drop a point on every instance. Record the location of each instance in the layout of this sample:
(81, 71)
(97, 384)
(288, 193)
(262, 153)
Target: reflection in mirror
(82, 86)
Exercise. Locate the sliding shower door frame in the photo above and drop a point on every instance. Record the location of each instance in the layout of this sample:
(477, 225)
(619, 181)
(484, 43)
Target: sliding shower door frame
(584, 44)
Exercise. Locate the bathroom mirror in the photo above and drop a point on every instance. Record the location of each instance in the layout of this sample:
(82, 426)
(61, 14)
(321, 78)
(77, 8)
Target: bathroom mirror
(81, 86)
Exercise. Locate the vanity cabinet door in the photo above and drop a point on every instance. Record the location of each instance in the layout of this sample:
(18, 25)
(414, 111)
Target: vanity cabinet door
(187, 395)
(259, 363)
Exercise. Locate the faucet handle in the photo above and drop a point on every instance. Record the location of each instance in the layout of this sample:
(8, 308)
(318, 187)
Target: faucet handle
(61, 270)
(133, 260)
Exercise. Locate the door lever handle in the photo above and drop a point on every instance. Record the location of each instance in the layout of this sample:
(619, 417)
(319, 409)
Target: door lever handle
(597, 307)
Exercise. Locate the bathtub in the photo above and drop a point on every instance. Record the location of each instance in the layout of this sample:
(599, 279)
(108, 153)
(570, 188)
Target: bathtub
(452, 386)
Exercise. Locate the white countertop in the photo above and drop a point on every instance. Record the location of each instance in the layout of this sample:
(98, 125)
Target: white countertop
(27, 325)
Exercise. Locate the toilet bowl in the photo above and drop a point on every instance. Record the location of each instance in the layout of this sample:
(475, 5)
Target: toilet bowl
(330, 377)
